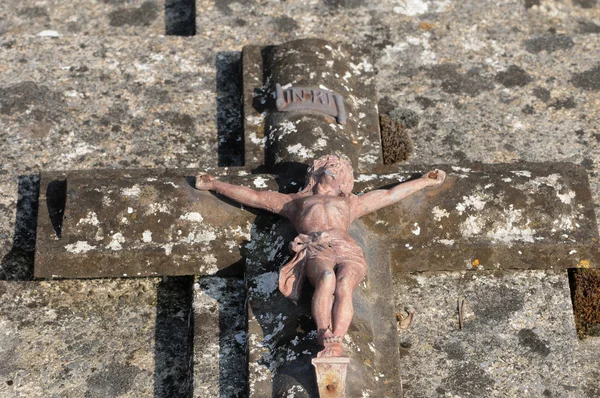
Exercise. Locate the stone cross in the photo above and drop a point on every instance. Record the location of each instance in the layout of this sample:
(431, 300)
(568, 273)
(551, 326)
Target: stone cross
(143, 223)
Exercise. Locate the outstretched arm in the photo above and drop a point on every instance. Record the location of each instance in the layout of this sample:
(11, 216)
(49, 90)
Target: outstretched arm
(380, 198)
(274, 202)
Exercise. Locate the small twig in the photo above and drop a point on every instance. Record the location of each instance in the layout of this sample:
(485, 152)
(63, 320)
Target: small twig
(461, 313)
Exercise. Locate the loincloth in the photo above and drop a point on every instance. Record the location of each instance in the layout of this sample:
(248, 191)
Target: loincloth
(316, 245)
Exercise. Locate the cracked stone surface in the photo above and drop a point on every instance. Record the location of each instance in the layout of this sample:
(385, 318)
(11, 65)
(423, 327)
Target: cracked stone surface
(103, 17)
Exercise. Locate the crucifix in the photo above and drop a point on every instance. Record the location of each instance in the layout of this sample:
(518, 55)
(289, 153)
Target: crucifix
(117, 223)
(324, 252)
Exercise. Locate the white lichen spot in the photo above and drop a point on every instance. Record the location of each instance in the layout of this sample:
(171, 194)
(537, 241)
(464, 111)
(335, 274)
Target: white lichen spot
(133, 191)
(477, 202)
(48, 33)
(567, 197)
(300, 150)
(573, 251)
(416, 230)
(210, 261)
(158, 208)
(411, 7)
(266, 284)
(147, 236)
(522, 173)
(564, 222)
(260, 182)
(129, 210)
(257, 141)
(447, 242)
(472, 226)
(507, 179)
(79, 247)
(439, 213)
(90, 219)
(365, 177)
(106, 201)
(321, 143)
(191, 216)
(115, 243)
(168, 248)
(511, 227)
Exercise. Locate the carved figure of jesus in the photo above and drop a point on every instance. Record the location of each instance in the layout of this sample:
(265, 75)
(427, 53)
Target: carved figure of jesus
(324, 252)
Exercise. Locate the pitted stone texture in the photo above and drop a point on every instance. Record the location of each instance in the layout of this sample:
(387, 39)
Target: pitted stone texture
(220, 342)
(80, 103)
(518, 338)
(75, 338)
(98, 18)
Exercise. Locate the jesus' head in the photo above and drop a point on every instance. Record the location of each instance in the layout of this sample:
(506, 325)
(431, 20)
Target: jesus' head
(330, 173)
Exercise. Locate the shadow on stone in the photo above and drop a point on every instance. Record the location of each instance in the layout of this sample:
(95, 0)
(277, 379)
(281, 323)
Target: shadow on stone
(228, 327)
(229, 108)
(174, 339)
(180, 17)
(17, 264)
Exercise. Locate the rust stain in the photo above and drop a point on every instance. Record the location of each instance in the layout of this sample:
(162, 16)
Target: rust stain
(426, 26)
(331, 383)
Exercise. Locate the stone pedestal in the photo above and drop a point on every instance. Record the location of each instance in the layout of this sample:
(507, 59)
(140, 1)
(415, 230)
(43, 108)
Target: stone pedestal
(331, 376)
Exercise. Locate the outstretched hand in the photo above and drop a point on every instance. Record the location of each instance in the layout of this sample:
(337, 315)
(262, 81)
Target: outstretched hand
(434, 177)
(205, 182)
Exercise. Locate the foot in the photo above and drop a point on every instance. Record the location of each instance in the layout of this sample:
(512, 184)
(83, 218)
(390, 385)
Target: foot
(323, 334)
(333, 347)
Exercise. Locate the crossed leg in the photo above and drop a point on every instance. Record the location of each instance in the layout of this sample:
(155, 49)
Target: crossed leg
(332, 307)
(349, 275)
(320, 273)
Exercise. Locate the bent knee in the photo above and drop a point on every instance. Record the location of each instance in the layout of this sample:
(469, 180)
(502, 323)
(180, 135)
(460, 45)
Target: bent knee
(327, 278)
(344, 286)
